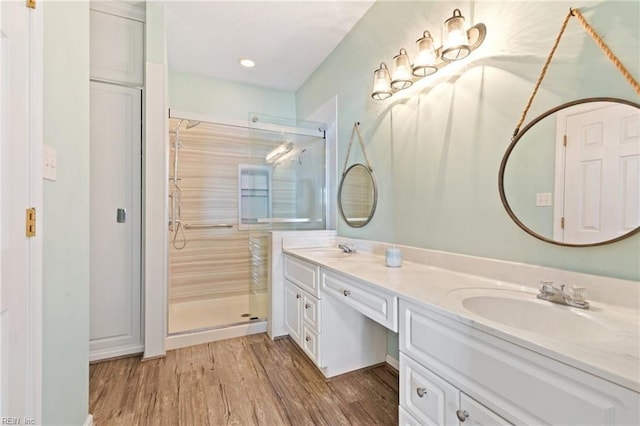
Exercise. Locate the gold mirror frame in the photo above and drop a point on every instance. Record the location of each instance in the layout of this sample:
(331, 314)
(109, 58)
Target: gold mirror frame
(375, 196)
(512, 146)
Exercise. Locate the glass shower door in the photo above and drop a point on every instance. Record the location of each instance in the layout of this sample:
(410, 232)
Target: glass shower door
(295, 158)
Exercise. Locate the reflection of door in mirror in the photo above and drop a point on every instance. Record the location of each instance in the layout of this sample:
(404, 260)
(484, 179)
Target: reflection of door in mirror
(600, 175)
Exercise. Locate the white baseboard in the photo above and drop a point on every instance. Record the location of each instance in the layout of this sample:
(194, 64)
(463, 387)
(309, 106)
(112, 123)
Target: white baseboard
(100, 354)
(206, 336)
(280, 332)
(89, 421)
(393, 362)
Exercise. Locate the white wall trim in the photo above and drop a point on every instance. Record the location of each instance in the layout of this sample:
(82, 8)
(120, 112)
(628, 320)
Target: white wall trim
(99, 355)
(35, 306)
(393, 362)
(124, 9)
(156, 212)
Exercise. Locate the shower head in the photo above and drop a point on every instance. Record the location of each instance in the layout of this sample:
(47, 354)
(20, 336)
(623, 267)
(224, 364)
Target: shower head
(192, 124)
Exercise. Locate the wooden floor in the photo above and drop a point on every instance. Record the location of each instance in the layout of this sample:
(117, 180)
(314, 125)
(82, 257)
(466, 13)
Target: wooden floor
(245, 381)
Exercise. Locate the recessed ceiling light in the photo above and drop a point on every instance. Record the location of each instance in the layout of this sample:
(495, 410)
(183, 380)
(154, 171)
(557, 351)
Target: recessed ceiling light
(247, 63)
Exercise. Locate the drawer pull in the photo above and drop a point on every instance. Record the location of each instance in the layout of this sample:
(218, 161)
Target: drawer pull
(307, 306)
(307, 338)
(297, 296)
(346, 292)
(421, 392)
(462, 415)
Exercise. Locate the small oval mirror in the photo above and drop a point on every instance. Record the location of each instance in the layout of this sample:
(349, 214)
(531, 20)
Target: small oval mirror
(572, 176)
(357, 195)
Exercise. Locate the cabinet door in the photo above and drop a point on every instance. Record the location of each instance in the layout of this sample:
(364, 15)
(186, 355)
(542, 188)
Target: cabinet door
(292, 309)
(116, 49)
(477, 414)
(427, 397)
(115, 216)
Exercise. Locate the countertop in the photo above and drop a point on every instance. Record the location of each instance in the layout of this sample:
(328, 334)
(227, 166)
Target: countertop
(616, 357)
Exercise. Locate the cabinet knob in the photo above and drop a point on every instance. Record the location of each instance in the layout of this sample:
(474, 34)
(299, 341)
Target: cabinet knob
(346, 292)
(421, 392)
(462, 415)
(307, 338)
(297, 296)
(307, 306)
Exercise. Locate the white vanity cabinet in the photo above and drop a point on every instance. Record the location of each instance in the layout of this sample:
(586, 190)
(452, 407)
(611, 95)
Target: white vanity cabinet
(337, 338)
(457, 367)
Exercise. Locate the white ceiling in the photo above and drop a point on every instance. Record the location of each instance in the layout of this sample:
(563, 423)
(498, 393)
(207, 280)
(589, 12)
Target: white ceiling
(287, 40)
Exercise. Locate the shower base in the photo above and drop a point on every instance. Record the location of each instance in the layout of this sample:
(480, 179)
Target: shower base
(200, 321)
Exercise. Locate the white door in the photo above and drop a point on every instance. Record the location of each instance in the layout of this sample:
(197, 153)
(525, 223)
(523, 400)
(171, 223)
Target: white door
(115, 211)
(21, 188)
(602, 152)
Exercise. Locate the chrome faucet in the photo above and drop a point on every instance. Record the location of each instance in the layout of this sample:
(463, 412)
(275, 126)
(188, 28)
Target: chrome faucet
(347, 248)
(551, 293)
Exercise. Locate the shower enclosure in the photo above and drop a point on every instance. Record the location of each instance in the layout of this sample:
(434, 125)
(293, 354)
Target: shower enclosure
(229, 185)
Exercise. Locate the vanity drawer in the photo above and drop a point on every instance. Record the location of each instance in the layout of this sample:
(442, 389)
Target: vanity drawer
(311, 344)
(425, 396)
(304, 274)
(376, 304)
(518, 384)
(311, 311)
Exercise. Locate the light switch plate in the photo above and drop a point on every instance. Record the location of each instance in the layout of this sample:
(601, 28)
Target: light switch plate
(48, 163)
(543, 199)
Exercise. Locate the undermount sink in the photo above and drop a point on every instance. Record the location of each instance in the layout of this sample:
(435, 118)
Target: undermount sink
(523, 311)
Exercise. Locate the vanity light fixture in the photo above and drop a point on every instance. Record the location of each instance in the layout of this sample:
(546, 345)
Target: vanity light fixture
(401, 75)
(426, 59)
(456, 40)
(458, 44)
(381, 83)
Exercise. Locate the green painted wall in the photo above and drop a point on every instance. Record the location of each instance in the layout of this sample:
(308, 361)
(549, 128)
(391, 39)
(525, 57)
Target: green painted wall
(66, 215)
(531, 170)
(436, 148)
(226, 99)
